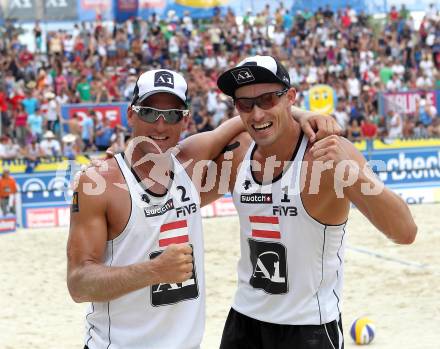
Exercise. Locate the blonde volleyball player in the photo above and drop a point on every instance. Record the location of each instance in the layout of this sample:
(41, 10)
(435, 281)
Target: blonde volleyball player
(293, 201)
(135, 248)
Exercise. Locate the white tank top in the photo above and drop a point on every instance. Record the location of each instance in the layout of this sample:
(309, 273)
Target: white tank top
(160, 316)
(291, 266)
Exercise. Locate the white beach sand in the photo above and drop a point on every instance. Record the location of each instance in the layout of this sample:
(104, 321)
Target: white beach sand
(36, 311)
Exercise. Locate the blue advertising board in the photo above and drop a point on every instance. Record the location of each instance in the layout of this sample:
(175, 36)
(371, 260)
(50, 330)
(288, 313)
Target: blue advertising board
(43, 191)
(407, 167)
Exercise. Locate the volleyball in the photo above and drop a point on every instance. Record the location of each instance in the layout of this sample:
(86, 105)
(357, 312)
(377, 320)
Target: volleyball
(362, 331)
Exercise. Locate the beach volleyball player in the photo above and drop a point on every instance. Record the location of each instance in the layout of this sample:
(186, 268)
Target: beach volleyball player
(135, 248)
(293, 201)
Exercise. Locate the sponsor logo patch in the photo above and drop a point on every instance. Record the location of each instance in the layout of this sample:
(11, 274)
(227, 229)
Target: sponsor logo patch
(163, 79)
(242, 75)
(153, 211)
(167, 294)
(256, 198)
(269, 267)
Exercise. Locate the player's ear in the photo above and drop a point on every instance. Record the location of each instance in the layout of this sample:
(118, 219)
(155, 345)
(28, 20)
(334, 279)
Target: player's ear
(130, 116)
(185, 121)
(291, 95)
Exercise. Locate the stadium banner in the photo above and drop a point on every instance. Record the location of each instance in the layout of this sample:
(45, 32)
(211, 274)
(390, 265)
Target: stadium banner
(21, 10)
(125, 9)
(43, 164)
(196, 8)
(411, 167)
(46, 217)
(313, 6)
(381, 6)
(202, 8)
(405, 102)
(91, 10)
(8, 224)
(60, 10)
(116, 112)
(44, 197)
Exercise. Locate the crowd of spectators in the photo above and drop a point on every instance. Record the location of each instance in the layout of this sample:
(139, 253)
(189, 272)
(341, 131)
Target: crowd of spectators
(98, 62)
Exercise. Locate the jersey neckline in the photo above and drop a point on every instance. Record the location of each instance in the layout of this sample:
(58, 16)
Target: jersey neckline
(277, 178)
(139, 181)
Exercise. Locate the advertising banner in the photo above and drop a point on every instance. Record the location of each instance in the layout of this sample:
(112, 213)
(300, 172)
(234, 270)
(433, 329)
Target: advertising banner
(302, 5)
(203, 8)
(116, 112)
(58, 216)
(125, 9)
(407, 168)
(60, 10)
(8, 224)
(406, 102)
(21, 10)
(91, 10)
(44, 196)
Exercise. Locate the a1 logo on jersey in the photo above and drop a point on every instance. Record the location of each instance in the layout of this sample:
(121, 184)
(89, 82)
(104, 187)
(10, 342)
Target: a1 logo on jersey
(167, 294)
(269, 267)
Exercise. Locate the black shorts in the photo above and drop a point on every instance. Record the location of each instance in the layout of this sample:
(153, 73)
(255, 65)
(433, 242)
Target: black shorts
(243, 332)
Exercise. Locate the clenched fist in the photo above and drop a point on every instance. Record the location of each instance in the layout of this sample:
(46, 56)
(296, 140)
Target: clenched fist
(175, 264)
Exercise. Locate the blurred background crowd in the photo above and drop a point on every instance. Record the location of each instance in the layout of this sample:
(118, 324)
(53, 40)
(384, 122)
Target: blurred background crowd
(99, 62)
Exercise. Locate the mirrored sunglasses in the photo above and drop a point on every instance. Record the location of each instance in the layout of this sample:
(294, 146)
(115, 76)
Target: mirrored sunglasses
(151, 115)
(265, 101)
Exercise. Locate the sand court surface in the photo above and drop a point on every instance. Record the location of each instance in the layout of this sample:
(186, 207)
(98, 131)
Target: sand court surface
(396, 286)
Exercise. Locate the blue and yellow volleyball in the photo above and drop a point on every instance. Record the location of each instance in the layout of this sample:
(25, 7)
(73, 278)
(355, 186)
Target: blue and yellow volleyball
(362, 331)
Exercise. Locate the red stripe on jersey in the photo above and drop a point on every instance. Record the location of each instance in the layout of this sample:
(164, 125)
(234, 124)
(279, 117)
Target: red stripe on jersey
(173, 225)
(175, 240)
(270, 234)
(264, 219)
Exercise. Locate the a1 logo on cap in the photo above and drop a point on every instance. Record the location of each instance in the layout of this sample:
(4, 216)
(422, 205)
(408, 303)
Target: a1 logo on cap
(242, 75)
(164, 79)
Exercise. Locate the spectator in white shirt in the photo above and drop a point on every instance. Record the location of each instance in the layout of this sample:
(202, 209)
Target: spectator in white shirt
(341, 116)
(8, 150)
(395, 84)
(398, 68)
(423, 82)
(50, 146)
(395, 125)
(211, 100)
(279, 36)
(353, 86)
(210, 61)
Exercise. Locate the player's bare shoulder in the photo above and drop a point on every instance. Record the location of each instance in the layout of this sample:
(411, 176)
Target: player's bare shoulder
(100, 180)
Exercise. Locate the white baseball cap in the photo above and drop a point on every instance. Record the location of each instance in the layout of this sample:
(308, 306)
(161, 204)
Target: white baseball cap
(160, 80)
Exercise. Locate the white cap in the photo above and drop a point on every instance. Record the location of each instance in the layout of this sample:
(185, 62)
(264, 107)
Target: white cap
(69, 138)
(48, 134)
(160, 80)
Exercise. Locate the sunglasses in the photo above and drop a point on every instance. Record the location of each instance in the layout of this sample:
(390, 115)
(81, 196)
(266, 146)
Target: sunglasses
(151, 115)
(265, 101)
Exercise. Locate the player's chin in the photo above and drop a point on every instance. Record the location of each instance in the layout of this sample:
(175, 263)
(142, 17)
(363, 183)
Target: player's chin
(264, 139)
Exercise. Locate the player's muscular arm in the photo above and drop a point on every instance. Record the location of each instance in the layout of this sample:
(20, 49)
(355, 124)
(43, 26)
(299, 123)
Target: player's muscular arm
(88, 279)
(226, 166)
(208, 145)
(386, 210)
